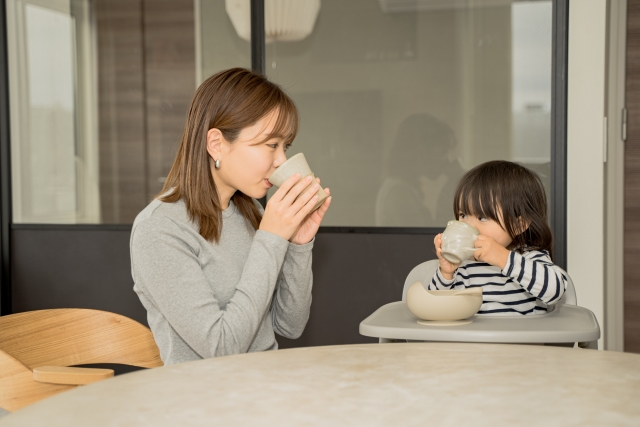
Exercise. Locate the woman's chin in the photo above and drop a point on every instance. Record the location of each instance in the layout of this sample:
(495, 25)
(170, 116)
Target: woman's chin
(256, 193)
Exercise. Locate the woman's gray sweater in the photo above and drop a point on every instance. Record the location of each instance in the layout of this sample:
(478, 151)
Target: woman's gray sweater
(205, 299)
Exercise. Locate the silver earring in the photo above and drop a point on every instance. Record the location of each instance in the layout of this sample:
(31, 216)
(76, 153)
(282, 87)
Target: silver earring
(217, 164)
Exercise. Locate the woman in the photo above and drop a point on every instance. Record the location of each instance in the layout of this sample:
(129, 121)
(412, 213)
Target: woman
(216, 273)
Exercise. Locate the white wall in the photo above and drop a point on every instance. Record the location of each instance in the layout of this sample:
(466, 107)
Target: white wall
(585, 140)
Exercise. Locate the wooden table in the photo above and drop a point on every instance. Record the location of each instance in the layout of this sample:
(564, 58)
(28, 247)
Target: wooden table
(417, 384)
(566, 324)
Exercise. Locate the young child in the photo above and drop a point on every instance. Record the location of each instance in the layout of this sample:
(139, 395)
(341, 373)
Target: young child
(512, 263)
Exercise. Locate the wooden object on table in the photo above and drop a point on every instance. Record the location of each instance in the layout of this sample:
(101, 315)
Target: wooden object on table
(71, 376)
(37, 349)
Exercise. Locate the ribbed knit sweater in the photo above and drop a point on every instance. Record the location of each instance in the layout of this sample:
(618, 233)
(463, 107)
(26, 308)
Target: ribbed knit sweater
(208, 299)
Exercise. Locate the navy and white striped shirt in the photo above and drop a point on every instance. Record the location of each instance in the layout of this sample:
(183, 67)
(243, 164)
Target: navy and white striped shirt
(528, 284)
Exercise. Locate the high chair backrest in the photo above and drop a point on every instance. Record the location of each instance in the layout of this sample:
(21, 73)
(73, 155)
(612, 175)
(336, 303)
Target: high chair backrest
(424, 272)
(68, 337)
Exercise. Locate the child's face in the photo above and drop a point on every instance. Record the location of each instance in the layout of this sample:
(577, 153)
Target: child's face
(487, 227)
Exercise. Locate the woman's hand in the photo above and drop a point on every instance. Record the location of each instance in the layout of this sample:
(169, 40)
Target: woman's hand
(310, 225)
(491, 252)
(446, 268)
(285, 211)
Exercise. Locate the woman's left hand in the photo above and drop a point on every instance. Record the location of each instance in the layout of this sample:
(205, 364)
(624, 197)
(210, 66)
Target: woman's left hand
(311, 223)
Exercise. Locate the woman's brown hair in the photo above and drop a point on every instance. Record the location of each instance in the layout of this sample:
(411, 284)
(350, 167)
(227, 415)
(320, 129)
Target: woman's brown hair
(230, 101)
(511, 195)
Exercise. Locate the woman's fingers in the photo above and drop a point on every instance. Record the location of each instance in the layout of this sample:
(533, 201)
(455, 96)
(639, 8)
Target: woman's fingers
(323, 209)
(286, 186)
(304, 198)
(325, 206)
(296, 190)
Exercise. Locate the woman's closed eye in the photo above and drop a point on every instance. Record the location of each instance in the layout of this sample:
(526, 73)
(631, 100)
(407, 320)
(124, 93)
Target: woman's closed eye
(275, 146)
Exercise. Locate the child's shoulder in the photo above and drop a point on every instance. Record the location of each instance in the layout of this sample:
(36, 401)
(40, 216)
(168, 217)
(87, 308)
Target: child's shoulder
(537, 255)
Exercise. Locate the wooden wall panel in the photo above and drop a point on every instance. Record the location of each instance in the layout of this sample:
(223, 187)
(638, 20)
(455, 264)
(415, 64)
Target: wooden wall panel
(170, 79)
(121, 109)
(146, 74)
(632, 184)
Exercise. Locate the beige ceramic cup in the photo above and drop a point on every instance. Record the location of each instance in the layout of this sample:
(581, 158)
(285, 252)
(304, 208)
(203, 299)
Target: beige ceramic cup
(297, 163)
(457, 241)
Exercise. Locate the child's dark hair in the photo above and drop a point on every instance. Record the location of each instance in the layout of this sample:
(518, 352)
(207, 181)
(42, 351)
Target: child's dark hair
(505, 192)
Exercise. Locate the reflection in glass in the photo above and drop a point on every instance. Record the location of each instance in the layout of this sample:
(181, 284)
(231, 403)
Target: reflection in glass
(398, 99)
(421, 175)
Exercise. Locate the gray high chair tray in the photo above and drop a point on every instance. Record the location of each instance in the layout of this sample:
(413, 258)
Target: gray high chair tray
(566, 324)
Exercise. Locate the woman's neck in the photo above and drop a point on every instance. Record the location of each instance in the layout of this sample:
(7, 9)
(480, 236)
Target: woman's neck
(225, 195)
(225, 191)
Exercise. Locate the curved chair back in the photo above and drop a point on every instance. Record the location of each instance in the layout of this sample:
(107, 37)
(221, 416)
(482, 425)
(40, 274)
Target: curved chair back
(18, 387)
(424, 272)
(69, 337)
(62, 338)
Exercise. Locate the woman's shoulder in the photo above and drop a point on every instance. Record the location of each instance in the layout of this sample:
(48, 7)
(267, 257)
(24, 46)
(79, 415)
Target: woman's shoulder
(159, 215)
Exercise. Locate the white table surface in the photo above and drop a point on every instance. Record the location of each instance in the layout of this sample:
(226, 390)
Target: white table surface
(566, 324)
(421, 384)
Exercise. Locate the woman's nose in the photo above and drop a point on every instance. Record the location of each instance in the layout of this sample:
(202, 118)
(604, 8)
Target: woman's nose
(280, 158)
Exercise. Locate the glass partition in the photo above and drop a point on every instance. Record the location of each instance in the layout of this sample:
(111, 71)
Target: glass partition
(399, 99)
(219, 47)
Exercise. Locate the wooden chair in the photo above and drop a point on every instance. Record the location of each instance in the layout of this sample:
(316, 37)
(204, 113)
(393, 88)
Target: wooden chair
(39, 348)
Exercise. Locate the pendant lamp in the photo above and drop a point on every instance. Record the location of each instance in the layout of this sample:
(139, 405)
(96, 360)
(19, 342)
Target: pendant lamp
(285, 20)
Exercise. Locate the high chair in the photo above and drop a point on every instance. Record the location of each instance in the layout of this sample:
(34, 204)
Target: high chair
(565, 324)
(38, 350)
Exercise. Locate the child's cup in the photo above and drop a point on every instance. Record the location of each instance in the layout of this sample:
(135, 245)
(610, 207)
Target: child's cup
(298, 164)
(457, 241)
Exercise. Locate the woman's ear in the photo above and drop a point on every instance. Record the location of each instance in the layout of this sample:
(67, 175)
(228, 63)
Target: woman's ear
(214, 143)
(523, 225)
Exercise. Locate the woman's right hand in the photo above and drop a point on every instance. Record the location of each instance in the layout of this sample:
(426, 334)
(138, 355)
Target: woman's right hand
(285, 211)
(446, 268)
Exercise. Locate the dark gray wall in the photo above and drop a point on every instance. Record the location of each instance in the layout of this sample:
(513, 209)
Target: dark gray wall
(354, 274)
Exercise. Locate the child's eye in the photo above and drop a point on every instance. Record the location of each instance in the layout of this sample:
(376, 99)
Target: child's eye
(482, 219)
(461, 215)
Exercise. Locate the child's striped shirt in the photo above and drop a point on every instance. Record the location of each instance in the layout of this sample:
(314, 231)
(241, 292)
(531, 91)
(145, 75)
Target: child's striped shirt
(527, 285)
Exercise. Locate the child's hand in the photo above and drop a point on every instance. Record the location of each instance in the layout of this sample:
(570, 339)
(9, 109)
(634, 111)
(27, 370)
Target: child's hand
(491, 252)
(446, 268)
